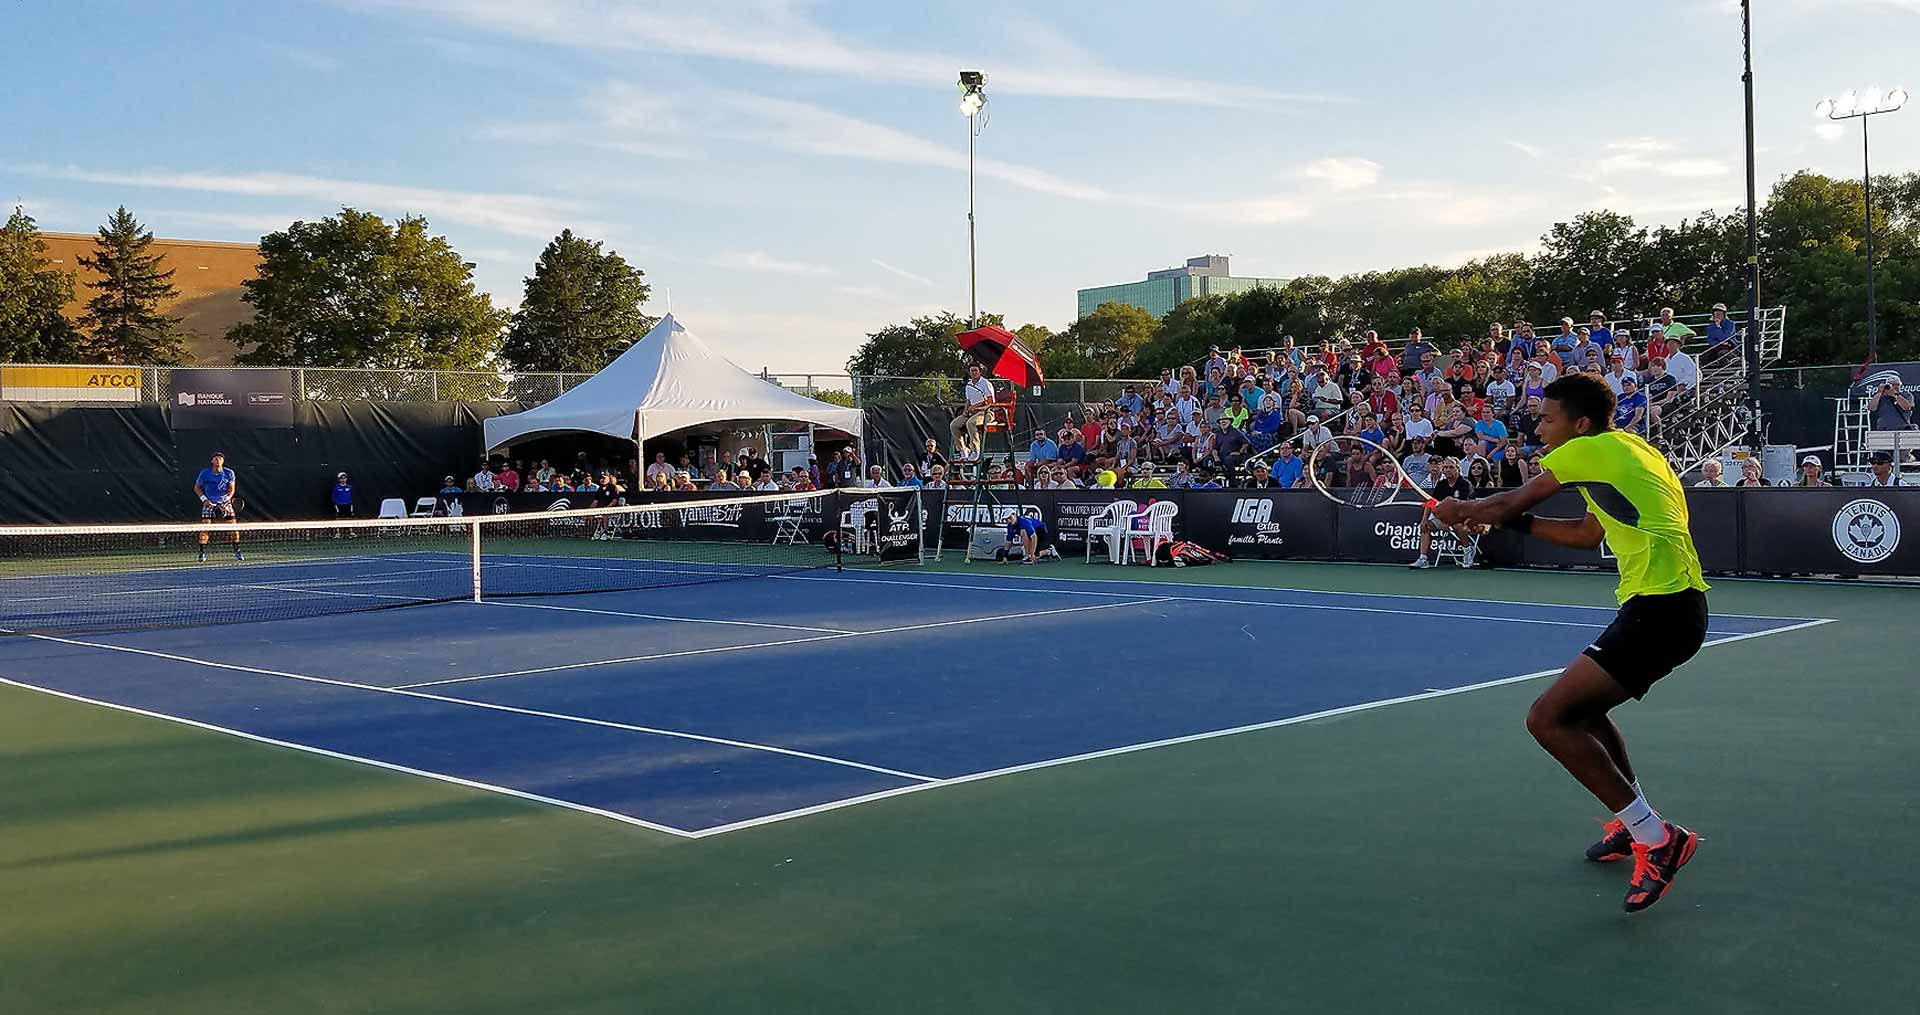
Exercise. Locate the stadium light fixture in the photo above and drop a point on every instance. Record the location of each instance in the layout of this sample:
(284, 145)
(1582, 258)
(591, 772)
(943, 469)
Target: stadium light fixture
(1861, 105)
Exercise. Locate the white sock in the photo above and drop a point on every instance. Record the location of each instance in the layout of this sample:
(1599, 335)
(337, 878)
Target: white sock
(1637, 791)
(1643, 822)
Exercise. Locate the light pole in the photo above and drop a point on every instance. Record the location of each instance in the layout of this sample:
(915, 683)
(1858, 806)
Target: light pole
(973, 106)
(1752, 343)
(1860, 106)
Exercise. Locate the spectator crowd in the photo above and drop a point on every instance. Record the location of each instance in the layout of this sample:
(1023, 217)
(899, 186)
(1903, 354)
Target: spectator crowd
(1235, 420)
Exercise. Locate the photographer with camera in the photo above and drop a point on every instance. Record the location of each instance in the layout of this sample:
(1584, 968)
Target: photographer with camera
(1892, 407)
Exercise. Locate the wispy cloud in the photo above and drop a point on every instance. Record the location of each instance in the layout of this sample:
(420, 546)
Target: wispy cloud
(902, 272)
(779, 34)
(1343, 174)
(1830, 131)
(1534, 152)
(258, 224)
(301, 56)
(514, 214)
(1648, 155)
(760, 260)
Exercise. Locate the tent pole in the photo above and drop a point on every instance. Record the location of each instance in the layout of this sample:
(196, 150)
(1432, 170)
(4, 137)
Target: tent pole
(639, 456)
(813, 443)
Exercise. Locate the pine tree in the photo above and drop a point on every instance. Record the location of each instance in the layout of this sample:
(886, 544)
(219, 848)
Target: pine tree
(123, 322)
(581, 309)
(32, 291)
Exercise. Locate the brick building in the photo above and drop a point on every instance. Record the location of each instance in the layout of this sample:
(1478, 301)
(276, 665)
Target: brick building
(207, 273)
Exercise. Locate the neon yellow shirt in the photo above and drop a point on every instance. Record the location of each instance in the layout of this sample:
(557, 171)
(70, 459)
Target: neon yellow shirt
(1632, 490)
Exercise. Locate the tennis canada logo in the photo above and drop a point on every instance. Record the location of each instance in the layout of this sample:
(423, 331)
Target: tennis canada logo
(1867, 531)
(1253, 523)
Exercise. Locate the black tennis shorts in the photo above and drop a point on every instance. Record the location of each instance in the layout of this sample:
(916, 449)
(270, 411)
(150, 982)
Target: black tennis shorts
(1650, 637)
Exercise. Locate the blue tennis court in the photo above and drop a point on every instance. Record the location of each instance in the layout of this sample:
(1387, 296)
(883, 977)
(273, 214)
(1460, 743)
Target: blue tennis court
(710, 707)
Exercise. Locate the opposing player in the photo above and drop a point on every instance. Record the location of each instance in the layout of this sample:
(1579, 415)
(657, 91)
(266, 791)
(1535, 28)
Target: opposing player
(1636, 504)
(215, 486)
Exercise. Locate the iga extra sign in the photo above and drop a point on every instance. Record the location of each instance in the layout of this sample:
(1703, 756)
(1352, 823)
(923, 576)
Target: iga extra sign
(1252, 524)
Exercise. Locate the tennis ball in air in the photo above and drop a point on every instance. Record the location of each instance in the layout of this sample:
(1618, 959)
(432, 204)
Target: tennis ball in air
(1108, 477)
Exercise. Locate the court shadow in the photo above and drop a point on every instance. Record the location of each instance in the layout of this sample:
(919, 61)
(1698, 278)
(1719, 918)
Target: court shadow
(480, 808)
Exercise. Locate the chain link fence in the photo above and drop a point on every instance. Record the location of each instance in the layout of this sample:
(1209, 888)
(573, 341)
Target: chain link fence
(339, 384)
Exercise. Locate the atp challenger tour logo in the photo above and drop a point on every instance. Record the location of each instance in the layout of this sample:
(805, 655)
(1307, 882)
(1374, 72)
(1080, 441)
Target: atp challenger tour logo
(1867, 531)
(1253, 524)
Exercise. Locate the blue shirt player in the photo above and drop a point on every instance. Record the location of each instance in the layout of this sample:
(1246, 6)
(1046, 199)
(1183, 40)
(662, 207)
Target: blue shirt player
(216, 486)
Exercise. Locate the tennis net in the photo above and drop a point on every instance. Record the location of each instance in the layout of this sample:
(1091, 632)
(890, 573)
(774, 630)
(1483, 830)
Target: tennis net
(71, 579)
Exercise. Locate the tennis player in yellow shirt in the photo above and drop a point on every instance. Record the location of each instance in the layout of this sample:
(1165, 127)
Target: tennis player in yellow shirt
(1635, 503)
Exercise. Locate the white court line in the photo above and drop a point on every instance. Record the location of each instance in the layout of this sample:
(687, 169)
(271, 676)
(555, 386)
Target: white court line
(375, 762)
(1596, 622)
(184, 565)
(1187, 739)
(657, 616)
(487, 705)
(1035, 578)
(296, 590)
(378, 578)
(263, 583)
(558, 667)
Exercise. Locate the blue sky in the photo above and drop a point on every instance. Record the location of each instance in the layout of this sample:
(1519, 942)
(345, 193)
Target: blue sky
(792, 173)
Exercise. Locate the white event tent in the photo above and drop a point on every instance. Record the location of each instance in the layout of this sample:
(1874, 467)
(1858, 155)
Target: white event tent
(667, 382)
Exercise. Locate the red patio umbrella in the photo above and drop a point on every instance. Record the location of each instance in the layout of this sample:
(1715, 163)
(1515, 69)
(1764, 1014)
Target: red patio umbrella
(1001, 354)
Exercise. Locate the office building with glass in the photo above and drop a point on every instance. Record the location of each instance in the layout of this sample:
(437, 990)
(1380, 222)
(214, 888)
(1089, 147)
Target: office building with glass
(1168, 288)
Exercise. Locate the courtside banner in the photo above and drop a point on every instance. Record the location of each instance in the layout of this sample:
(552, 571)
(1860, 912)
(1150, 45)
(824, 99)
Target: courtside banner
(210, 399)
(70, 384)
(1844, 530)
(897, 526)
(1261, 524)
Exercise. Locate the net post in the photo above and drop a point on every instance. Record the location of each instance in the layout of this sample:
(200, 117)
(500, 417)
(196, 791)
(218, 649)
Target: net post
(474, 549)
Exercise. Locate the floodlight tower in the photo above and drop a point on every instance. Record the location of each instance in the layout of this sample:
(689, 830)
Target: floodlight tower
(973, 106)
(1860, 105)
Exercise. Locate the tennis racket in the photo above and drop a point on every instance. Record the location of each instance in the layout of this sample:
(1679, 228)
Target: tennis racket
(1361, 474)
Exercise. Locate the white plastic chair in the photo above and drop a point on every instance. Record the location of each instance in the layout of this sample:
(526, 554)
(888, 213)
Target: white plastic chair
(854, 520)
(1157, 532)
(1111, 525)
(426, 507)
(393, 507)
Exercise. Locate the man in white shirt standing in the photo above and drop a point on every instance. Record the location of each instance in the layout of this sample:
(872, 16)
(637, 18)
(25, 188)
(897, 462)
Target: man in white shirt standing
(1686, 373)
(979, 394)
